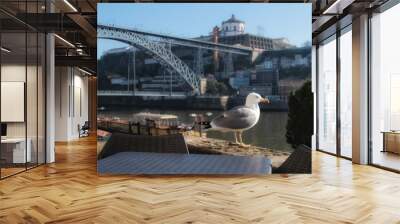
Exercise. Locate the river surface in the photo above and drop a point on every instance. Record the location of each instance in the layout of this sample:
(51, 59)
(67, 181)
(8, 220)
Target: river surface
(268, 133)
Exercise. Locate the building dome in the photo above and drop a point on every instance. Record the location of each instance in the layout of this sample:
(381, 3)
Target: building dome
(232, 20)
(232, 27)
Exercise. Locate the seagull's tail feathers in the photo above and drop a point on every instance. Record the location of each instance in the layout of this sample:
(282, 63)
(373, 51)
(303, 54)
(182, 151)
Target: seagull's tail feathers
(206, 125)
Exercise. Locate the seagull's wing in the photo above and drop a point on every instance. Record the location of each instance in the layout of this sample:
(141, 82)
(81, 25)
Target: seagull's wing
(240, 117)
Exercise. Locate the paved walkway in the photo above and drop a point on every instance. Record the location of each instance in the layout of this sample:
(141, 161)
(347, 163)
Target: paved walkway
(174, 163)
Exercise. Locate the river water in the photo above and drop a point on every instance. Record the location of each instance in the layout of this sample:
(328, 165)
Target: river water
(268, 133)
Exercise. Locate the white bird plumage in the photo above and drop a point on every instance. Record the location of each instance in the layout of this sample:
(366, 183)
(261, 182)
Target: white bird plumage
(240, 118)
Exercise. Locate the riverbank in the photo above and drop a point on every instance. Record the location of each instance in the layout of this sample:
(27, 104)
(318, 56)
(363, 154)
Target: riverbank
(269, 132)
(198, 144)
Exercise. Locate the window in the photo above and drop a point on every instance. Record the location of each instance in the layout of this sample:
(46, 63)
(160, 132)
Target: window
(327, 96)
(385, 89)
(346, 93)
(22, 76)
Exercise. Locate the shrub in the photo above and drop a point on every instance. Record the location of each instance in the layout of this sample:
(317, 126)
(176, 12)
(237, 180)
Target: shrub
(299, 127)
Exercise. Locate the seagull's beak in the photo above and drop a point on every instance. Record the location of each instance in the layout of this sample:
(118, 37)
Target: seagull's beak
(265, 100)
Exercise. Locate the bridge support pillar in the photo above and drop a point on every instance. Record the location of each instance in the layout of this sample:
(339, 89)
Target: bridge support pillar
(199, 62)
(228, 65)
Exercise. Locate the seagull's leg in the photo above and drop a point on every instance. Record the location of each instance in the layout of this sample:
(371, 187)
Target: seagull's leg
(236, 140)
(241, 140)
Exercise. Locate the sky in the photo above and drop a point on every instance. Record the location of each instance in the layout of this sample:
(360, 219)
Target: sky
(290, 20)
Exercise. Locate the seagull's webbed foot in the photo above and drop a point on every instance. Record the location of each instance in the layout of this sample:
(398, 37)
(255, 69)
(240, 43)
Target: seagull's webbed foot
(244, 145)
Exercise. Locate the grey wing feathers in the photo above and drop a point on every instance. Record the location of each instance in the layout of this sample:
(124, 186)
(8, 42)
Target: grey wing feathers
(240, 111)
(240, 117)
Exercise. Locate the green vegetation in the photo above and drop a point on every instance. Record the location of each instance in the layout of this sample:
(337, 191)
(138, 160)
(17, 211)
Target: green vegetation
(217, 88)
(299, 127)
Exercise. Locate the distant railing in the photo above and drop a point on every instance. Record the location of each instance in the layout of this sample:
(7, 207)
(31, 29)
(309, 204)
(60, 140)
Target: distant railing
(137, 128)
(138, 93)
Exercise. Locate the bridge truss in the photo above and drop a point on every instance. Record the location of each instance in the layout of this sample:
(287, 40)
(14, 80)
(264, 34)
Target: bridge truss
(158, 49)
(159, 46)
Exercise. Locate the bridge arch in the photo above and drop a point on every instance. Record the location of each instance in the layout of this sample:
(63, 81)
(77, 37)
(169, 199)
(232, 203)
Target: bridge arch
(159, 50)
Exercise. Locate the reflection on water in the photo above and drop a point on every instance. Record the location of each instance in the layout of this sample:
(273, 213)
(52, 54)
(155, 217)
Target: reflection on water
(268, 133)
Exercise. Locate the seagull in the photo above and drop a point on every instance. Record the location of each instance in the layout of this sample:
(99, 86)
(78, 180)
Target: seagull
(240, 118)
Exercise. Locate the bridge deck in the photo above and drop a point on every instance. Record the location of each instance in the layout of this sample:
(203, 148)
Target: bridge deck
(182, 41)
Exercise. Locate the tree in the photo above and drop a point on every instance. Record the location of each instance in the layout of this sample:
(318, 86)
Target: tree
(217, 88)
(222, 88)
(299, 127)
(212, 87)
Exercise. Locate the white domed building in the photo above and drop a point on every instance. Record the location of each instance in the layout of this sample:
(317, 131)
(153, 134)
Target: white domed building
(232, 27)
(232, 32)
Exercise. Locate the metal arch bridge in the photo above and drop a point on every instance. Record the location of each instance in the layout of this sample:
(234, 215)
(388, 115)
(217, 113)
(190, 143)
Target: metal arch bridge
(160, 46)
